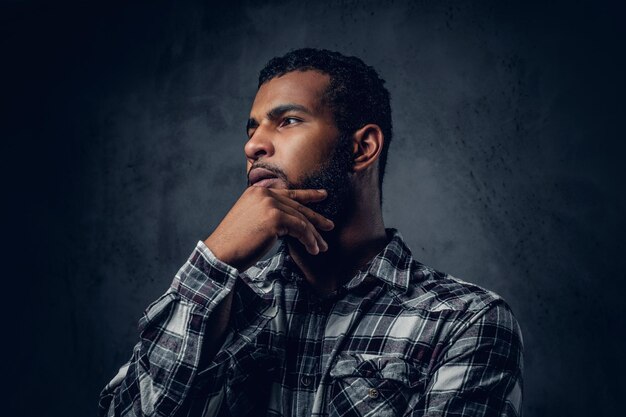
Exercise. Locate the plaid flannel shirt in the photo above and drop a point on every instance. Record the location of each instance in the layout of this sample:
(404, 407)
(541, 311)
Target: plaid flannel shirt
(398, 339)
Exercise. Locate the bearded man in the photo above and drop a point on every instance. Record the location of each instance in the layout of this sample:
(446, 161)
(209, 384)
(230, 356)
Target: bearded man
(341, 320)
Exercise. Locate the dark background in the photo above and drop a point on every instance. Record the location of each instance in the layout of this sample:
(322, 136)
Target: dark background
(123, 129)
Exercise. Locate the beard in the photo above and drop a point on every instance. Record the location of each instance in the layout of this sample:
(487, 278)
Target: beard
(334, 177)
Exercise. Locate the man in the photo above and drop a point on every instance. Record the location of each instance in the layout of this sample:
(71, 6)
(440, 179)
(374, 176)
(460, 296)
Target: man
(341, 321)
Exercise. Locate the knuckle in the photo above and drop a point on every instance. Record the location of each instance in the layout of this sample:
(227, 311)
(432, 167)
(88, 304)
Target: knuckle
(272, 203)
(268, 200)
(274, 214)
(281, 229)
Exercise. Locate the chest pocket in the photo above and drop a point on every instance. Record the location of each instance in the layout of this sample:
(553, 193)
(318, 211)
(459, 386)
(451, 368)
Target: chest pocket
(370, 385)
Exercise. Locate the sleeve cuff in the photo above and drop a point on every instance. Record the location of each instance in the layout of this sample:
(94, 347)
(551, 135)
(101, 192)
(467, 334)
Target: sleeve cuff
(204, 279)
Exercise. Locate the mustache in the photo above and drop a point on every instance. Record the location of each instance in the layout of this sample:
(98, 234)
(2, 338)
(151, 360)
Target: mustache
(274, 170)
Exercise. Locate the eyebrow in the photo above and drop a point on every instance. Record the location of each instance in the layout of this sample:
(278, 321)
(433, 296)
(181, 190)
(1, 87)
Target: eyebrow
(276, 112)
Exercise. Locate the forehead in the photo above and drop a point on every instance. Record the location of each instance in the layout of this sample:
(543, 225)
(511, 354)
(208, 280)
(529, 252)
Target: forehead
(296, 87)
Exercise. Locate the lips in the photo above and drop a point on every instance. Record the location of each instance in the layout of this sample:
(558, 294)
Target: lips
(261, 177)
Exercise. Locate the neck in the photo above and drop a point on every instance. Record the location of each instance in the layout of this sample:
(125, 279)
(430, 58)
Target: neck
(351, 245)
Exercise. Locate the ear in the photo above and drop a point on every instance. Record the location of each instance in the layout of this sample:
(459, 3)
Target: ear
(367, 145)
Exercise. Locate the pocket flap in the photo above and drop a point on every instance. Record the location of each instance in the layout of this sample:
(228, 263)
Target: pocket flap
(377, 366)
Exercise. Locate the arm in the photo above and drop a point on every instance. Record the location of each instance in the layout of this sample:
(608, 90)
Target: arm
(159, 375)
(480, 374)
(181, 332)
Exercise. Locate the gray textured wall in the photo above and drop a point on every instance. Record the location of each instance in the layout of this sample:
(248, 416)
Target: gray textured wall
(126, 147)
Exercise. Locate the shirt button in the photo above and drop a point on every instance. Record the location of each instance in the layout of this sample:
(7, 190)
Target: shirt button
(305, 381)
(373, 393)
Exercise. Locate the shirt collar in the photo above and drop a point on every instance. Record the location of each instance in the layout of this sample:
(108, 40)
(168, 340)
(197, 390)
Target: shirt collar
(392, 265)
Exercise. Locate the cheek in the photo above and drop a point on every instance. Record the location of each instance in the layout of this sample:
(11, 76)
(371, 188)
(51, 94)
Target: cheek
(304, 160)
(303, 154)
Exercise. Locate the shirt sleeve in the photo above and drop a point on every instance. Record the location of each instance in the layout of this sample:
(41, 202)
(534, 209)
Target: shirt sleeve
(480, 374)
(157, 379)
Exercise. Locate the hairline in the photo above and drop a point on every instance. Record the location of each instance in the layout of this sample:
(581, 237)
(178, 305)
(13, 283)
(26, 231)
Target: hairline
(343, 133)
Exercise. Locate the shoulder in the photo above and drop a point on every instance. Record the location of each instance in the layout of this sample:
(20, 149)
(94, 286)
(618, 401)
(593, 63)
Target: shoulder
(438, 291)
(467, 315)
(460, 304)
(418, 287)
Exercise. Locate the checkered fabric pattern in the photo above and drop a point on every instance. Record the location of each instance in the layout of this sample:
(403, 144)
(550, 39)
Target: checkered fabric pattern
(398, 339)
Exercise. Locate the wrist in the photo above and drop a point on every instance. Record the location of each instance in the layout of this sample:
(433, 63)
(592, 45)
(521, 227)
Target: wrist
(216, 249)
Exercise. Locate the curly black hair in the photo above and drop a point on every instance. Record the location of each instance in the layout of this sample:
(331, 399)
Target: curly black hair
(356, 93)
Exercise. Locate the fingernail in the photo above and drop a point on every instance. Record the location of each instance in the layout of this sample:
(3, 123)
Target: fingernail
(321, 191)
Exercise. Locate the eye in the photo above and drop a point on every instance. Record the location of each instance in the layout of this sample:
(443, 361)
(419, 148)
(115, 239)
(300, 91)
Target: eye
(290, 120)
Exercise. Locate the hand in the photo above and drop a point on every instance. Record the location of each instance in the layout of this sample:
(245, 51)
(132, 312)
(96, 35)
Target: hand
(260, 217)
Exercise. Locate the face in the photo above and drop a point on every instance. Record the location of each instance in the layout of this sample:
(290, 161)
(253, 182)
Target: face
(294, 143)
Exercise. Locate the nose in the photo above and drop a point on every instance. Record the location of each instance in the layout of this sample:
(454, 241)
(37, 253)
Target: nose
(260, 144)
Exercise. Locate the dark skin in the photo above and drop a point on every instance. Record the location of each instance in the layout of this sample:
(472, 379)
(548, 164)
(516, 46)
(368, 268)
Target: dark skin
(292, 132)
(307, 143)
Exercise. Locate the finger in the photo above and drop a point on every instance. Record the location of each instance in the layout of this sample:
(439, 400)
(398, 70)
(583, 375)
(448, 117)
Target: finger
(296, 227)
(321, 243)
(319, 221)
(301, 195)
